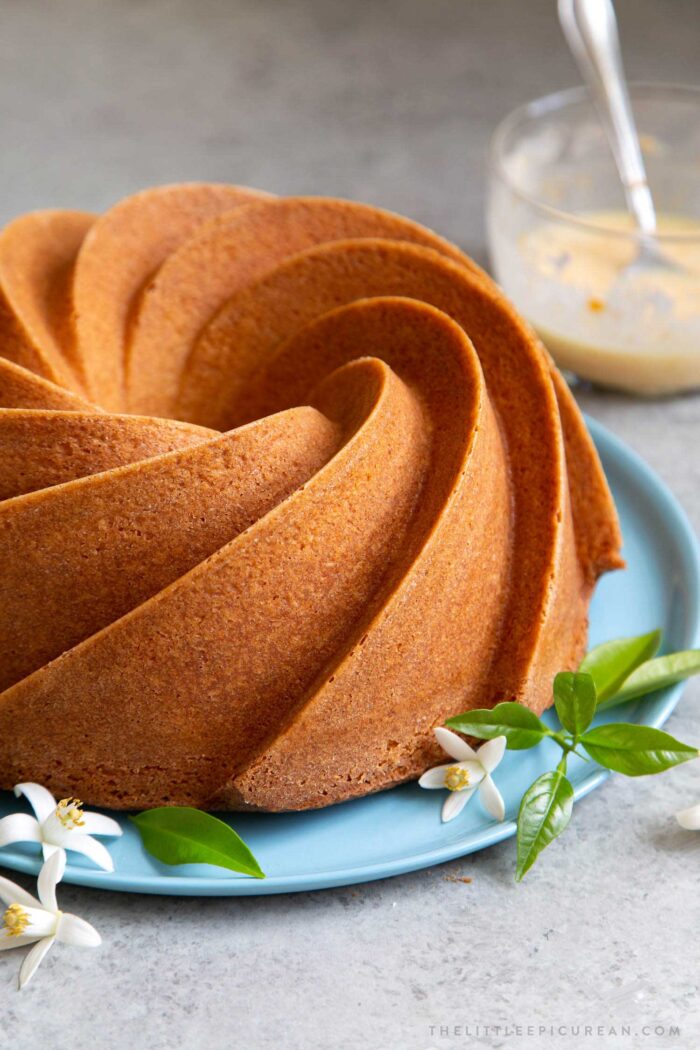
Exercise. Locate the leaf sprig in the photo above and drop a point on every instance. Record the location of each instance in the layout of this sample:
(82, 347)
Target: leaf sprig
(613, 673)
(182, 835)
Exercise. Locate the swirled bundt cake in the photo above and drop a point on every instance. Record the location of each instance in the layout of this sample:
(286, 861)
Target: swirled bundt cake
(285, 483)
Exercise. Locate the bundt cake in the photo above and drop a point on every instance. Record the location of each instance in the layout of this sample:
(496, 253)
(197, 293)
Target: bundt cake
(285, 483)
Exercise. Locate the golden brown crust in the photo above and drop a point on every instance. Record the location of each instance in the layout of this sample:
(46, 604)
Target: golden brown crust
(40, 449)
(227, 254)
(22, 388)
(121, 252)
(37, 256)
(403, 517)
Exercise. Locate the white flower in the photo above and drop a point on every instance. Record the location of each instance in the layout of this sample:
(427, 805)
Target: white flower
(471, 772)
(59, 826)
(30, 921)
(689, 818)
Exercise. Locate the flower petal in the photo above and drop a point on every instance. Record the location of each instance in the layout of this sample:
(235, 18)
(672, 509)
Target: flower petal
(475, 771)
(11, 893)
(435, 777)
(33, 959)
(455, 803)
(491, 753)
(19, 827)
(491, 799)
(7, 942)
(98, 824)
(454, 745)
(689, 818)
(74, 930)
(39, 798)
(49, 878)
(48, 849)
(92, 849)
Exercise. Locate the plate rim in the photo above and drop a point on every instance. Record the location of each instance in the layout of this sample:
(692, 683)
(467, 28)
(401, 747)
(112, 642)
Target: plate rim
(606, 443)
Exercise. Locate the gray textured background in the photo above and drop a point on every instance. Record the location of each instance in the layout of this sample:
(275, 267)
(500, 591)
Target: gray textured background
(390, 102)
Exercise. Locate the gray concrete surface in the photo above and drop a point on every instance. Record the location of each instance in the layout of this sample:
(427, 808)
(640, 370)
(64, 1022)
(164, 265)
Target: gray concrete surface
(392, 102)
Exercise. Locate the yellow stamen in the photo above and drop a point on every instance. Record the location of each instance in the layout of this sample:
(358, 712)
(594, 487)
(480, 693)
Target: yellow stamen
(456, 778)
(69, 811)
(15, 920)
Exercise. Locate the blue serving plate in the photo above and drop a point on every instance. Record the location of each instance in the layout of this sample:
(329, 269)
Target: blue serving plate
(400, 830)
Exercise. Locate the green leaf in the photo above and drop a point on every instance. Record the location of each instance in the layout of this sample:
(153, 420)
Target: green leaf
(657, 674)
(182, 835)
(575, 700)
(635, 750)
(544, 813)
(611, 663)
(520, 726)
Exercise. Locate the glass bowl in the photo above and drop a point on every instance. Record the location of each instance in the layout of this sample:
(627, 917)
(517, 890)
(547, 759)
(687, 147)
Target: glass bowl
(562, 243)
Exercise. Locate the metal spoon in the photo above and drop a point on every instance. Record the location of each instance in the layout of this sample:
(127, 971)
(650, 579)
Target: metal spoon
(590, 28)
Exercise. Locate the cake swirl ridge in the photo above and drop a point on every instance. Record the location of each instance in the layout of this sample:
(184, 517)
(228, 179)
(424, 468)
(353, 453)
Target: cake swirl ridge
(284, 483)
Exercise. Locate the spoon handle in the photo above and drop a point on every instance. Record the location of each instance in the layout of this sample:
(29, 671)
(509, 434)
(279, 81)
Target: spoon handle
(590, 29)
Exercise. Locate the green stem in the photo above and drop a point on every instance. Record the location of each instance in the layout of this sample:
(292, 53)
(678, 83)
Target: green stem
(568, 744)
